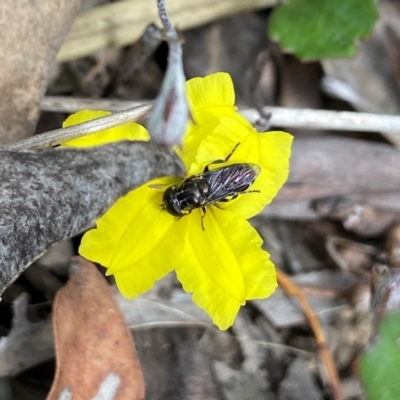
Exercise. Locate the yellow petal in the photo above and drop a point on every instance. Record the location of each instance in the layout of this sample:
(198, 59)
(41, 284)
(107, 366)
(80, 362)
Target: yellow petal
(270, 151)
(170, 248)
(214, 264)
(138, 278)
(211, 96)
(127, 234)
(219, 143)
(141, 276)
(128, 131)
(274, 154)
(192, 142)
(258, 270)
(84, 116)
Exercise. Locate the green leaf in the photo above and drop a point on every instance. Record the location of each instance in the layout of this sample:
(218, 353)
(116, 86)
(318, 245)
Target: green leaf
(313, 29)
(380, 365)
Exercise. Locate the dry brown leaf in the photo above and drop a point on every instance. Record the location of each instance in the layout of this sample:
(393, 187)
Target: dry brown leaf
(29, 344)
(94, 348)
(31, 34)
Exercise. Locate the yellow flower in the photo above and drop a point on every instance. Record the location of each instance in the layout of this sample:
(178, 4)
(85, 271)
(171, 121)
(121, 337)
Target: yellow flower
(129, 131)
(222, 265)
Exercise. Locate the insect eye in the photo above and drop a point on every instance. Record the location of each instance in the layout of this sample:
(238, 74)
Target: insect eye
(171, 203)
(173, 209)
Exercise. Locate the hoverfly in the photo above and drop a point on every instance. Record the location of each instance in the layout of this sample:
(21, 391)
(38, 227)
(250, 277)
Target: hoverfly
(209, 187)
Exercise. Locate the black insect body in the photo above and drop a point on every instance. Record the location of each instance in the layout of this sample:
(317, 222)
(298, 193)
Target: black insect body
(210, 187)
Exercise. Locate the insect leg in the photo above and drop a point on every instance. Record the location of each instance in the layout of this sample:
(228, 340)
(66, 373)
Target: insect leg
(206, 169)
(234, 196)
(202, 217)
(230, 198)
(247, 191)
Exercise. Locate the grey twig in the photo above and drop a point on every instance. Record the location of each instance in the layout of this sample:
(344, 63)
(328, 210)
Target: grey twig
(60, 135)
(50, 195)
(329, 120)
(68, 104)
(286, 117)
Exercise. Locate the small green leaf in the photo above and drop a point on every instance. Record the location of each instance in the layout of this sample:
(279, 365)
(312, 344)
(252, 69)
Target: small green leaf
(313, 29)
(380, 365)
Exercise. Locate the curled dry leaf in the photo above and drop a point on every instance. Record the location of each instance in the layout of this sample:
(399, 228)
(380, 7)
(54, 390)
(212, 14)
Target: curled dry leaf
(51, 195)
(355, 215)
(94, 347)
(385, 288)
(351, 256)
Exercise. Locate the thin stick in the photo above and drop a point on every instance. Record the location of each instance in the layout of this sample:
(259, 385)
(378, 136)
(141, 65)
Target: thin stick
(60, 135)
(286, 117)
(326, 358)
(66, 104)
(281, 117)
(329, 120)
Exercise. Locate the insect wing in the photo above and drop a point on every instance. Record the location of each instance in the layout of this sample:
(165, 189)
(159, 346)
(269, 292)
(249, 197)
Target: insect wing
(229, 181)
